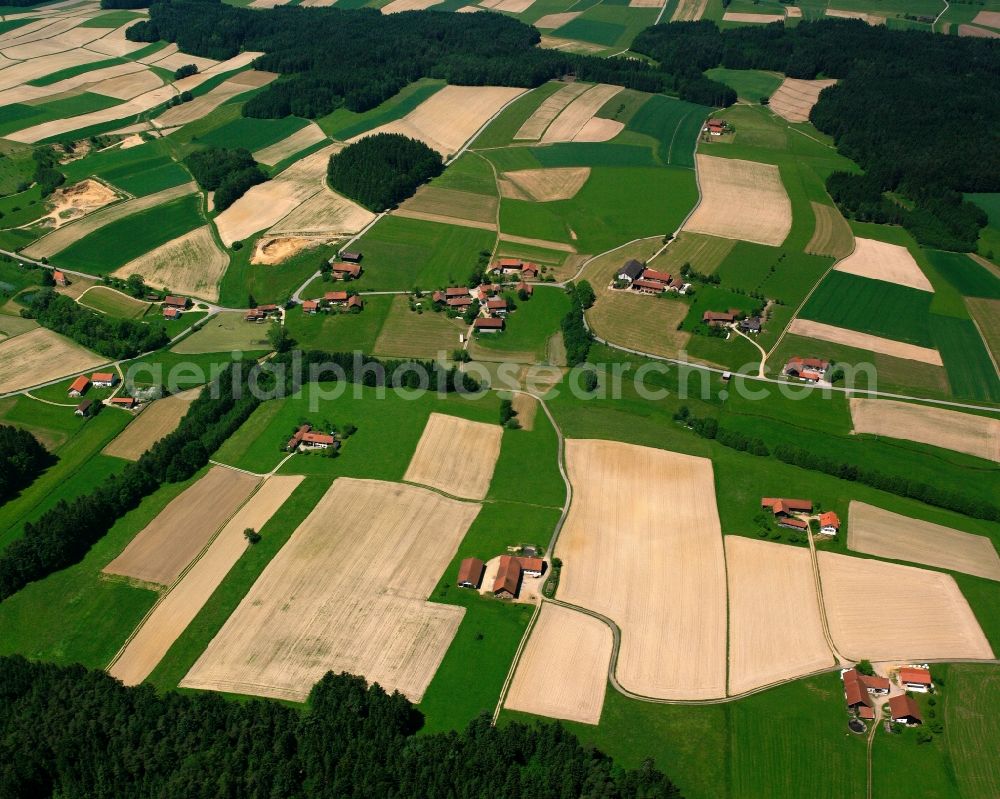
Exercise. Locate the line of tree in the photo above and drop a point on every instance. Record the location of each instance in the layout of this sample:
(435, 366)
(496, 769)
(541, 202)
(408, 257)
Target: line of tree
(920, 112)
(387, 52)
(804, 458)
(126, 3)
(47, 175)
(71, 732)
(381, 171)
(111, 337)
(63, 535)
(576, 337)
(22, 459)
(229, 173)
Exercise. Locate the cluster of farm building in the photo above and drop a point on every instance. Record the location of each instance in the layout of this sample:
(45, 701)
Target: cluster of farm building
(865, 694)
(82, 384)
(510, 573)
(795, 514)
(635, 276)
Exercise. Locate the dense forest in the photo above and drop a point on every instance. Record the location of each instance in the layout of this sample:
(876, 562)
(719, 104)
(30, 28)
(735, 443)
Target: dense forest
(381, 171)
(63, 534)
(229, 173)
(920, 112)
(387, 52)
(22, 458)
(69, 732)
(125, 3)
(114, 338)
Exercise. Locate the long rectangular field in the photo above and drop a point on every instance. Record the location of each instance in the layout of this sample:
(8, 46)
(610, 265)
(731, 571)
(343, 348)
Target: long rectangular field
(456, 456)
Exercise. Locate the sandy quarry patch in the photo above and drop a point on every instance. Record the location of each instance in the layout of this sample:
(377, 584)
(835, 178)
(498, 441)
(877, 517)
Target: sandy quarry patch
(178, 608)
(60, 239)
(39, 356)
(525, 406)
(884, 611)
(864, 341)
(741, 200)
(78, 200)
(556, 20)
(132, 140)
(456, 456)
(270, 250)
(544, 185)
(982, 33)
(535, 125)
(165, 546)
(197, 108)
(597, 129)
(191, 264)
(880, 532)
(563, 672)
(762, 19)
(881, 261)
(795, 98)
(689, 10)
(346, 593)
(642, 545)
(326, 213)
(290, 145)
(871, 19)
(578, 113)
(125, 87)
(269, 202)
(775, 628)
(155, 421)
(939, 427)
(450, 117)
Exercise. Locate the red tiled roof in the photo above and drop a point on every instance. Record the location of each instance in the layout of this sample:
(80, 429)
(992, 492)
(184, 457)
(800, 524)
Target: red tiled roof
(873, 683)
(459, 302)
(796, 505)
(335, 296)
(903, 706)
(508, 575)
(652, 274)
(915, 675)
(865, 712)
(128, 402)
(102, 377)
(829, 519)
(80, 384)
(456, 291)
(532, 564)
(718, 316)
(437, 296)
(854, 691)
(496, 304)
(176, 301)
(806, 374)
(798, 524)
(510, 263)
(348, 269)
(171, 313)
(267, 308)
(471, 571)
(355, 301)
(526, 287)
(488, 324)
(529, 268)
(317, 438)
(310, 305)
(652, 285)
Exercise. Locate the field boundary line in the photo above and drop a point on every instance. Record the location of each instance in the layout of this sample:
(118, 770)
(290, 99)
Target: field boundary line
(184, 573)
(517, 659)
(818, 587)
(244, 471)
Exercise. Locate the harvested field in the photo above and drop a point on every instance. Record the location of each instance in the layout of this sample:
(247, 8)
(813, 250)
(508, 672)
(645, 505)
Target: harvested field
(175, 60)
(535, 125)
(647, 517)
(550, 21)
(689, 10)
(110, 301)
(793, 12)
(864, 341)
(306, 137)
(761, 19)
(795, 98)
(155, 421)
(741, 200)
(544, 185)
(346, 593)
(453, 204)
(871, 19)
(406, 334)
(164, 548)
(60, 239)
(267, 203)
(510, 6)
(326, 213)
(78, 200)
(832, 236)
(179, 607)
(939, 427)
(39, 356)
(115, 43)
(125, 87)
(563, 672)
(199, 106)
(408, 5)
(775, 628)
(974, 30)
(646, 3)
(525, 406)
(406, 213)
(986, 314)
(885, 534)
(991, 19)
(191, 264)
(578, 113)
(450, 117)
(597, 130)
(925, 615)
(456, 456)
(16, 74)
(881, 261)
(270, 250)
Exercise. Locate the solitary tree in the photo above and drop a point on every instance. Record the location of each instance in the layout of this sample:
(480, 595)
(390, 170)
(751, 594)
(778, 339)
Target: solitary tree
(251, 535)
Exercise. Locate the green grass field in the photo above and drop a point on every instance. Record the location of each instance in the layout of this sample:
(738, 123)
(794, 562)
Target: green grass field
(973, 692)
(252, 134)
(417, 334)
(114, 303)
(72, 72)
(113, 19)
(967, 277)
(225, 332)
(749, 84)
(18, 116)
(141, 170)
(406, 253)
(116, 244)
(501, 131)
(268, 283)
(470, 172)
(673, 124)
(529, 327)
(613, 26)
(971, 372)
(872, 306)
(340, 332)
